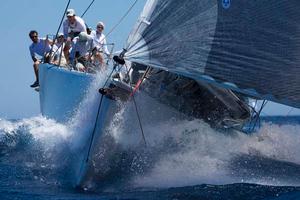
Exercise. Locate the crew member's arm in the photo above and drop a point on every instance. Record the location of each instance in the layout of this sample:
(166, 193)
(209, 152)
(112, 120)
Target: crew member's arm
(73, 50)
(105, 49)
(65, 29)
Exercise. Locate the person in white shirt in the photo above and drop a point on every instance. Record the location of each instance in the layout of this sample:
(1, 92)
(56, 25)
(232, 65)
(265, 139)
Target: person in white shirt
(39, 47)
(100, 43)
(59, 58)
(82, 47)
(72, 26)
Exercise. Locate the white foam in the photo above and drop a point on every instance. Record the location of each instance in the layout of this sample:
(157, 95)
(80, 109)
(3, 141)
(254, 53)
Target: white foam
(203, 155)
(83, 122)
(39, 127)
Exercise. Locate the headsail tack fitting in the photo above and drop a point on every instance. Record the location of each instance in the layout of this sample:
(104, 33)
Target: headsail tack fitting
(120, 58)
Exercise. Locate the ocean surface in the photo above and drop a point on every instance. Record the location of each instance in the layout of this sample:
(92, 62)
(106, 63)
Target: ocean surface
(190, 161)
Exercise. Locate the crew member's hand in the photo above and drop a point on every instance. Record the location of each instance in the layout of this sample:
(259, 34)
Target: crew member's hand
(69, 39)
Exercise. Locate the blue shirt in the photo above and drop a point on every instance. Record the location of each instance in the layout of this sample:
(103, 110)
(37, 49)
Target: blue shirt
(39, 48)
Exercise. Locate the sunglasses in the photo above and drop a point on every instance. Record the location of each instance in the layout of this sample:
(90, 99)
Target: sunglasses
(100, 27)
(33, 36)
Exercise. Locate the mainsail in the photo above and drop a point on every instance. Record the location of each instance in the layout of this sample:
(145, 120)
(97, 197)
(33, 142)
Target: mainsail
(252, 47)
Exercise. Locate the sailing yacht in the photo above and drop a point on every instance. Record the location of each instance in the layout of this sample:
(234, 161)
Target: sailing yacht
(203, 59)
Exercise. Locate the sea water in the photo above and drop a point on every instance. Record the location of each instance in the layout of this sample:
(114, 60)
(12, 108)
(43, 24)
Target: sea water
(186, 160)
(182, 159)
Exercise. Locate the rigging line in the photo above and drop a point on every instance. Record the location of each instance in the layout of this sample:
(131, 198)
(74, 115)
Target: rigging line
(94, 129)
(139, 119)
(136, 109)
(137, 86)
(119, 22)
(253, 115)
(98, 111)
(87, 9)
(61, 21)
(257, 117)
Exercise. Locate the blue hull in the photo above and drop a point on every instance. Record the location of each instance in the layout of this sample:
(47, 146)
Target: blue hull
(61, 91)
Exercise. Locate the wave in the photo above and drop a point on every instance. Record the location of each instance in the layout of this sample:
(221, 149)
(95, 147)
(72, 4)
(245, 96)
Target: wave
(37, 148)
(178, 153)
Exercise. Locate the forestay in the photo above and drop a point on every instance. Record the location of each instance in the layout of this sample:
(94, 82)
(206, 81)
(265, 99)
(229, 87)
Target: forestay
(249, 46)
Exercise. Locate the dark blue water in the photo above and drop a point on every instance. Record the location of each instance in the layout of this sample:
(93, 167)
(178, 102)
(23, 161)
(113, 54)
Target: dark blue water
(190, 161)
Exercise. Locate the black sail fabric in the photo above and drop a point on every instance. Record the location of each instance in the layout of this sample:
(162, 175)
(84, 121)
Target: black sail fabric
(252, 47)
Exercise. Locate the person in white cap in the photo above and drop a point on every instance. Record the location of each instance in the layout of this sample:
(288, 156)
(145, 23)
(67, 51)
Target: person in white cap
(72, 26)
(100, 43)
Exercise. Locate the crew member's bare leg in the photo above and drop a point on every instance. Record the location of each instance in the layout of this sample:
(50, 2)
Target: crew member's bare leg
(36, 69)
(36, 73)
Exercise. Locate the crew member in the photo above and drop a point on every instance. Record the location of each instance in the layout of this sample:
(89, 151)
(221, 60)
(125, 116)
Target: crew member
(72, 26)
(100, 43)
(39, 46)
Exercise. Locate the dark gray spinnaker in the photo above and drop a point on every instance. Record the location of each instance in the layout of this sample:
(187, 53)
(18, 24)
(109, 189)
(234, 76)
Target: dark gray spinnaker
(252, 47)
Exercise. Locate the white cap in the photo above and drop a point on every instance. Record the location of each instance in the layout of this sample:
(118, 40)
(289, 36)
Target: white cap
(83, 36)
(60, 34)
(101, 24)
(70, 12)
